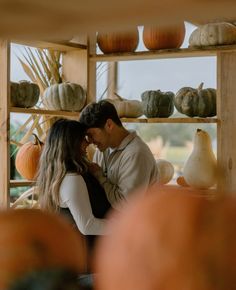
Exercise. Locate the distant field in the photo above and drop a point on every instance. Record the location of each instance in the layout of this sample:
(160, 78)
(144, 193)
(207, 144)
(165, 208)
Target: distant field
(177, 156)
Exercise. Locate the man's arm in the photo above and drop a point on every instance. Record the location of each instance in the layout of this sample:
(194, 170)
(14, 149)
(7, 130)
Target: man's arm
(134, 172)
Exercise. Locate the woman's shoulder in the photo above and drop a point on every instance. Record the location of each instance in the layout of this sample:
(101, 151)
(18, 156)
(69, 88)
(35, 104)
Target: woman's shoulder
(72, 178)
(71, 183)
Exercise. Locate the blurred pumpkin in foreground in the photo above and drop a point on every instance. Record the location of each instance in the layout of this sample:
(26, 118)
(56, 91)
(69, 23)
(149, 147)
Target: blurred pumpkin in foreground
(170, 240)
(33, 240)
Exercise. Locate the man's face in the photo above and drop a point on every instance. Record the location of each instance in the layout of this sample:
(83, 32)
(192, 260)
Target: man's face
(99, 137)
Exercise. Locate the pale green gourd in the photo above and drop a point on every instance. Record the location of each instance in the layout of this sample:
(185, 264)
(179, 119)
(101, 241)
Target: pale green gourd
(65, 96)
(200, 169)
(126, 108)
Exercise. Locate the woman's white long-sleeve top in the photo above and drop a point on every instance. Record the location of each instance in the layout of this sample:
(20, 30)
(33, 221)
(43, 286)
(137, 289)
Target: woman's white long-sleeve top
(74, 195)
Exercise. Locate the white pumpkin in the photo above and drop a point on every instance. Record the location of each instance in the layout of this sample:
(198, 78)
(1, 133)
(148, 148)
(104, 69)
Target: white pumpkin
(213, 34)
(65, 96)
(126, 108)
(200, 169)
(165, 171)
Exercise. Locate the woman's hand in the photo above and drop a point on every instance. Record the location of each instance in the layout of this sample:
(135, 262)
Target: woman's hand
(94, 167)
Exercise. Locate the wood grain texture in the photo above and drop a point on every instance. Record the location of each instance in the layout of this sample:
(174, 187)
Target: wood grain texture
(226, 104)
(4, 123)
(61, 20)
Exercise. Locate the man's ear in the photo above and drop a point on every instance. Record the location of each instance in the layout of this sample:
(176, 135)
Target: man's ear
(109, 125)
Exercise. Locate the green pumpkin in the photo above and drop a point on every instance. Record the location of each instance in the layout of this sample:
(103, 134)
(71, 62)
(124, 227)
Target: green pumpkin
(24, 94)
(157, 104)
(65, 96)
(196, 102)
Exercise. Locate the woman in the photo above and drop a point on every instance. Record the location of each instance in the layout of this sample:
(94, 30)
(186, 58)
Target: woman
(64, 182)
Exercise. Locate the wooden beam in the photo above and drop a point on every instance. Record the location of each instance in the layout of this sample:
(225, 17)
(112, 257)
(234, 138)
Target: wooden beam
(205, 51)
(4, 123)
(64, 19)
(92, 70)
(59, 46)
(226, 104)
(112, 79)
(44, 112)
(21, 183)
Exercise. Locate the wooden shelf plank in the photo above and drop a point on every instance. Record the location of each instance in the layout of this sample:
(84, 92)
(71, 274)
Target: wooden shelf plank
(60, 46)
(21, 183)
(164, 53)
(43, 112)
(124, 120)
(169, 120)
(210, 193)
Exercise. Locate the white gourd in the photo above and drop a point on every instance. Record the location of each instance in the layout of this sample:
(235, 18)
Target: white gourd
(213, 34)
(165, 171)
(200, 169)
(126, 108)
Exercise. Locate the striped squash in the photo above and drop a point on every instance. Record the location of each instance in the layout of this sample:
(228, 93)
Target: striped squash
(213, 34)
(157, 104)
(65, 96)
(196, 102)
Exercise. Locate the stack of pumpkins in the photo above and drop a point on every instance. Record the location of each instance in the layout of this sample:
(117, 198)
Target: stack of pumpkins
(65, 96)
(157, 104)
(154, 103)
(154, 38)
(188, 101)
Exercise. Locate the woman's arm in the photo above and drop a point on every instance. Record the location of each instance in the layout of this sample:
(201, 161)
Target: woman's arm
(74, 195)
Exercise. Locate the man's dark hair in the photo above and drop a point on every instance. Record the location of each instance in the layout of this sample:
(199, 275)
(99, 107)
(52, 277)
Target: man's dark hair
(95, 115)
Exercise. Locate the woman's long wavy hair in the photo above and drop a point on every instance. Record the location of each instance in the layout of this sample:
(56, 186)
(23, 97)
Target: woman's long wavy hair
(61, 154)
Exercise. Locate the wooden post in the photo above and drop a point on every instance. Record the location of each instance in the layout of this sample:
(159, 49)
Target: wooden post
(112, 79)
(4, 124)
(226, 130)
(92, 71)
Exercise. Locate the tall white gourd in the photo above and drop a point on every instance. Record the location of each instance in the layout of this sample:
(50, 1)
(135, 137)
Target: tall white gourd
(200, 169)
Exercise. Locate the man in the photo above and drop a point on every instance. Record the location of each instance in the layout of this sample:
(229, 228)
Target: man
(125, 161)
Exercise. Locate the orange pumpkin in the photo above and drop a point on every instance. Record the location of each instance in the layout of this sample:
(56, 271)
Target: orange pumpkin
(27, 158)
(162, 37)
(170, 240)
(112, 42)
(33, 240)
(181, 181)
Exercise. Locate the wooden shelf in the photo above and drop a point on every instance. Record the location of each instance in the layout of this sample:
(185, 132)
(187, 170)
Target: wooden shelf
(210, 193)
(169, 120)
(164, 53)
(124, 120)
(21, 183)
(43, 112)
(60, 46)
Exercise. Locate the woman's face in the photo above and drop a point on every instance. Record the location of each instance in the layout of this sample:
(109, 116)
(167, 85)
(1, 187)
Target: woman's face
(84, 146)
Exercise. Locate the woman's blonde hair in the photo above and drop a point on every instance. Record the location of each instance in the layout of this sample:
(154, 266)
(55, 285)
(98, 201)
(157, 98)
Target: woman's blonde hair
(61, 154)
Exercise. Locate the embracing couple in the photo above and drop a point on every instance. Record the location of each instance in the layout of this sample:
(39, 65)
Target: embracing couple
(85, 191)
